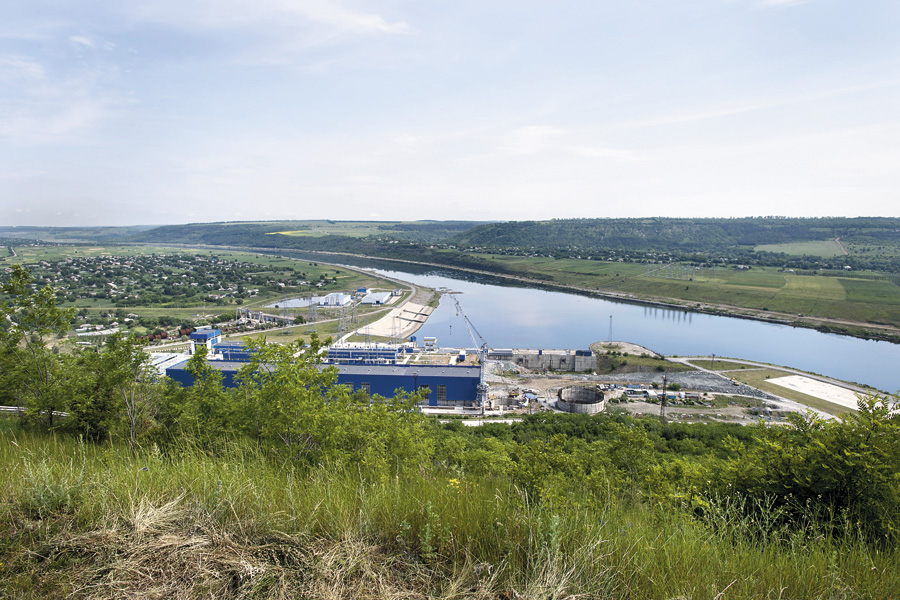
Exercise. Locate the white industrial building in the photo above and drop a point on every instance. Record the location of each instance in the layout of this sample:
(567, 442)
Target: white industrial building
(336, 299)
(377, 298)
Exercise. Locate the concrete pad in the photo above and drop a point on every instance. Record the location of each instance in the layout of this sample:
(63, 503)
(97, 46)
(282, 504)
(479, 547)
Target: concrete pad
(813, 387)
(402, 321)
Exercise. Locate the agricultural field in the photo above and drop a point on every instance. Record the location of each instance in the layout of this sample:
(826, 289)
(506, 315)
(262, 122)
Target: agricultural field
(820, 248)
(347, 228)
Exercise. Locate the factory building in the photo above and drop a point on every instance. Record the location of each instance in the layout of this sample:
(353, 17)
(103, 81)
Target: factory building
(384, 354)
(231, 351)
(377, 298)
(336, 299)
(446, 385)
(205, 337)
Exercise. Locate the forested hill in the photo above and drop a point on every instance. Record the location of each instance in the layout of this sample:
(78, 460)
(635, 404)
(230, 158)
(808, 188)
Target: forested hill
(303, 233)
(684, 235)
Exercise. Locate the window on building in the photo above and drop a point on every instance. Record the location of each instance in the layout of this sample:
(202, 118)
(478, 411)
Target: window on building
(442, 393)
(366, 387)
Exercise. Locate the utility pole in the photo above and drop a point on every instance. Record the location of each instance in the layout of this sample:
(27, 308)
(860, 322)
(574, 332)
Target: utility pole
(662, 403)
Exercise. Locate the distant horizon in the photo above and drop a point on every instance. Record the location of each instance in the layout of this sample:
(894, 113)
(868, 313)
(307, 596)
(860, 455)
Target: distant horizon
(155, 225)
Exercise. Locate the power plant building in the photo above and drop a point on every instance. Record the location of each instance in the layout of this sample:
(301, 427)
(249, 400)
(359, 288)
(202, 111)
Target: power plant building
(336, 299)
(376, 298)
(446, 385)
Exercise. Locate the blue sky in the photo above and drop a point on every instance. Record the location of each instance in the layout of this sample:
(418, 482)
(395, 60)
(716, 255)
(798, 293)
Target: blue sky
(169, 111)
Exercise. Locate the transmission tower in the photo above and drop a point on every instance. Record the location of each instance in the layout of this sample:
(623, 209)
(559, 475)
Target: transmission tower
(311, 312)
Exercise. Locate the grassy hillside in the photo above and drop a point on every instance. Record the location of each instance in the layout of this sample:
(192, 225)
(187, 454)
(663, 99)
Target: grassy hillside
(85, 521)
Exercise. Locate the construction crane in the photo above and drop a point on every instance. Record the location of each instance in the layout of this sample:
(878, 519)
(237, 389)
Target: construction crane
(482, 354)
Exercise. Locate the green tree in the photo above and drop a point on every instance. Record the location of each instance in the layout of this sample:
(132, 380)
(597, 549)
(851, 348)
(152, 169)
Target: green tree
(295, 402)
(131, 377)
(34, 374)
(845, 470)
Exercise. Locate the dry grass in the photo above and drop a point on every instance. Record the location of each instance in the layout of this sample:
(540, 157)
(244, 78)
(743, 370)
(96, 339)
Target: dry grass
(175, 551)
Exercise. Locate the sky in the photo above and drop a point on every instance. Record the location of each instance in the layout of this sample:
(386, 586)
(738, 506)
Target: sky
(175, 111)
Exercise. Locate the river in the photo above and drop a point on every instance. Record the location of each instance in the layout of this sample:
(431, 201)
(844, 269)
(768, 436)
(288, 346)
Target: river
(520, 317)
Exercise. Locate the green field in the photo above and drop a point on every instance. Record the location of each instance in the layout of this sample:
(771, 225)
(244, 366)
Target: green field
(348, 228)
(820, 248)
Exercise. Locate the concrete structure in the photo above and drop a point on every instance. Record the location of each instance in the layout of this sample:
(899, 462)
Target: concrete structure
(579, 361)
(582, 399)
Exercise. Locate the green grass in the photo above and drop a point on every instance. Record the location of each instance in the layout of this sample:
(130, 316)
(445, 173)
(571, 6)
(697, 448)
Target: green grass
(633, 363)
(346, 228)
(821, 248)
(871, 291)
(720, 365)
(84, 521)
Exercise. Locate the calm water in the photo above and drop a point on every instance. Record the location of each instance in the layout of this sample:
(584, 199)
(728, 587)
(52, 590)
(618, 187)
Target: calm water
(516, 317)
(519, 317)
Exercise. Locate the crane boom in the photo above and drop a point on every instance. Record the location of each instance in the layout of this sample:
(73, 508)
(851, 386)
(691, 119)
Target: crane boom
(482, 354)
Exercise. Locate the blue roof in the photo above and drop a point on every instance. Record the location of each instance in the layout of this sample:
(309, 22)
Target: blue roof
(206, 334)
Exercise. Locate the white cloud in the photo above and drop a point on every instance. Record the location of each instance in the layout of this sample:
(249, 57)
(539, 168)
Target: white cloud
(531, 139)
(20, 68)
(82, 40)
(543, 139)
(240, 14)
(39, 106)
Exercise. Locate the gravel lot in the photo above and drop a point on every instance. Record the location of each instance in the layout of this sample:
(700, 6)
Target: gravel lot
(690, 380)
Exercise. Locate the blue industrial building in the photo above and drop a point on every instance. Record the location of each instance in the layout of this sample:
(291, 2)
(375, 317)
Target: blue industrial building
(233, 351)
(447, 385)
(369, 354)
(205, 337)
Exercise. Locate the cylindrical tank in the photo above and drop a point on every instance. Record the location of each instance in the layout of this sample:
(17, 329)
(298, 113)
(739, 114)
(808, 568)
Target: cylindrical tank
(583, 399)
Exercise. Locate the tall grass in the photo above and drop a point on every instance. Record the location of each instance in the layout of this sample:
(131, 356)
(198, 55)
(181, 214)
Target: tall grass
(95, 521)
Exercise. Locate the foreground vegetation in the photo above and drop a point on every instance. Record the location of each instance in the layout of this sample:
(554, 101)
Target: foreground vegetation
(230, 521)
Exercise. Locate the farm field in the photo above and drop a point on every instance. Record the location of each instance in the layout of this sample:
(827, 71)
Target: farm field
(821, 248)
(347, 228)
